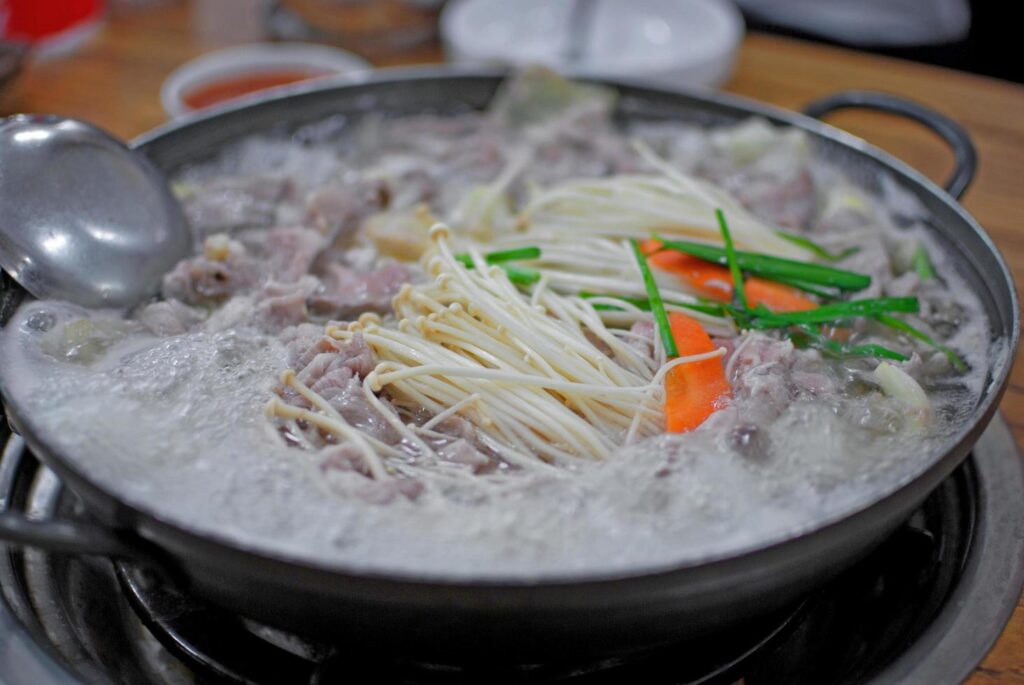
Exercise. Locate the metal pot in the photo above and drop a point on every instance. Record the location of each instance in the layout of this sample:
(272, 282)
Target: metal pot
(529, 621)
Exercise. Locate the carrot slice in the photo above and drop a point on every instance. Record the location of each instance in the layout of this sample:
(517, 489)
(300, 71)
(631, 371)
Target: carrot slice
(715, 282)
(696, 390)
(776, 296)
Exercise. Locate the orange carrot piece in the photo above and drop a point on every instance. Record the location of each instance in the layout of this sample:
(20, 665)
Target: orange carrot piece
(776, 296)
(715, 282)
(696, 390)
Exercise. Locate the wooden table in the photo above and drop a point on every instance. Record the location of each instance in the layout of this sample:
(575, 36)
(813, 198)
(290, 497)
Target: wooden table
(114, 81)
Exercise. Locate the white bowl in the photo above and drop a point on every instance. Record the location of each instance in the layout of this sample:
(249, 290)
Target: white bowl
(675, 42)
(252, 59)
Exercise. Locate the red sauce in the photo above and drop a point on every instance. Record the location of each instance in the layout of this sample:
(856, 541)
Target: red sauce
(243, 84)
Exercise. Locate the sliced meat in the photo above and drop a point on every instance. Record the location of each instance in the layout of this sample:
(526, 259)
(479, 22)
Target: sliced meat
(643, 339)
(284, 304)
(327, 354)
(224, 269)
(338, 211)
(334, 370)
(343, 389)
(767, 374)
(790, 202)
(299, 339)
(872, 259)
(463, 452)
(228, 204)
(347, 292)
(291, 251)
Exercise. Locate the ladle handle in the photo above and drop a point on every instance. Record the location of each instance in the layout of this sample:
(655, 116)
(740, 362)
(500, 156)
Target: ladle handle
(965, 157)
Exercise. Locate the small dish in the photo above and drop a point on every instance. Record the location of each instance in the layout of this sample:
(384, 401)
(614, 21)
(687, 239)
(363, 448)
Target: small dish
(224, 75)
(675, 42)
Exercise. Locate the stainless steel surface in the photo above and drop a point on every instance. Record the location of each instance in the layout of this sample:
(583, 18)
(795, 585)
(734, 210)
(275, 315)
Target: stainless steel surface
(582, 611)
(85, 219)
(959, 636)
(581, 19)
(986, 595)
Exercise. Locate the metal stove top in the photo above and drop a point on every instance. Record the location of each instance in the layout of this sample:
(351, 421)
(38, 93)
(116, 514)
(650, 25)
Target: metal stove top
(925, 607)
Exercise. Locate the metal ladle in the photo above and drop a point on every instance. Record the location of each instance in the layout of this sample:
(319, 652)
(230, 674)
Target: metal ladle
(82, 217)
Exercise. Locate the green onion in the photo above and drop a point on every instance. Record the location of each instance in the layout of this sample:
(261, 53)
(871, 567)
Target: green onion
(739, 289)
(818, 250)
(773, 268)
(713, 309)
(837, 311)
(901, 325)
(762, 318)
(873, 350)
(812, 288)
(502, 256)
(657, 307)
(517, 274)
(923, 264)
(826, 344)
(520, 275)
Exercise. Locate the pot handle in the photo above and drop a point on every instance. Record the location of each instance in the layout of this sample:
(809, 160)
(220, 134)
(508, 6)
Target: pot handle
(68, 536)
(965, 157)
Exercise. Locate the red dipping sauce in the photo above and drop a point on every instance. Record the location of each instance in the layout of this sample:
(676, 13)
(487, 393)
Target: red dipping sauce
(231, 87)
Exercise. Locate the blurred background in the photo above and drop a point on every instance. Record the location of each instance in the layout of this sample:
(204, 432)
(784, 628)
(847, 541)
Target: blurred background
(681, 42)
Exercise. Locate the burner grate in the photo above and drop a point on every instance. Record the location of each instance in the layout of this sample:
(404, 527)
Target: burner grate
(241, 651)
(922, 603)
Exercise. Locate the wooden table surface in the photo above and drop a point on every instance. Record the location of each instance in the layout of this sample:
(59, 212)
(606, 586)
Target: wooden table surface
(114, 81)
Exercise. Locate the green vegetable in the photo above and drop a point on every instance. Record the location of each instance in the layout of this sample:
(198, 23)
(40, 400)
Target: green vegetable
(923, 264)
(903, 326)
(521, 275)
(657, 306)
(738, 288)
(502, 256)
(898, 384)
(818, 250)
(517, 274)
(810, 337)
(778, 269)
(812, 288)
(714, 309)
(835, 312)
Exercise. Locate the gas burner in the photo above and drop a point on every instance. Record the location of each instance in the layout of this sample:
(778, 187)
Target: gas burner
(244, 651)
(925, 606)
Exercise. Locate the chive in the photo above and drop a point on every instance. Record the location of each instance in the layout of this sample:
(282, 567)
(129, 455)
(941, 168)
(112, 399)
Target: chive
(812, 288)
(517, 274)
(530, 252)
(502, 256)
(657, 307)
(521, 275)
(712, 309)
(762, 318)
(739, 290)
(873, 350)
(837, 311)
(903, 326)
(826, 344)
(817, 249)
(923, 264)
(773, 268)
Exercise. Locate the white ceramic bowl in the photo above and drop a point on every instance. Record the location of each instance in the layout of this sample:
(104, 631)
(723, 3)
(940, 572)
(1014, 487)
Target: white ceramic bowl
(252, 60)
(675, 42)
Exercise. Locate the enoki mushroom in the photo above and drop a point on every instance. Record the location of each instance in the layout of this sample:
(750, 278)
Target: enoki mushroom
(540, 376)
